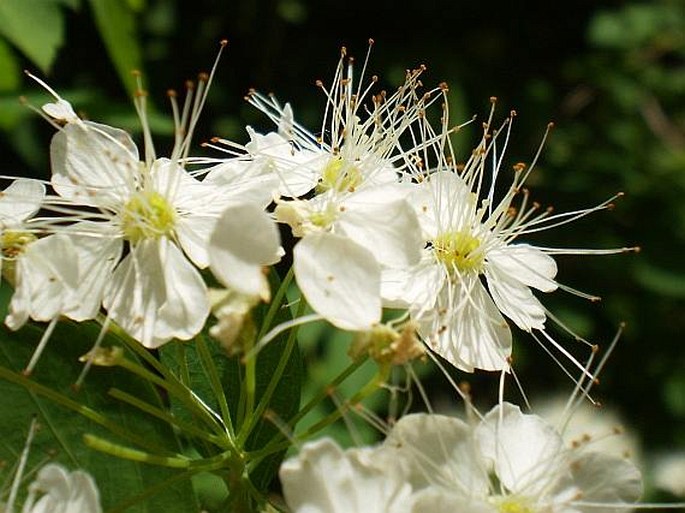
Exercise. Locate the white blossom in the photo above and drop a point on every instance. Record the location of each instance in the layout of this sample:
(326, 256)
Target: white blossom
(56, 490)
(508, 462)
(475, 271)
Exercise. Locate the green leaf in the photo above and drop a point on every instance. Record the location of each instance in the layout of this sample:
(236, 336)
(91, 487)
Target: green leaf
(184, 359)
(116, 22)
(120, 481)
(36, 27)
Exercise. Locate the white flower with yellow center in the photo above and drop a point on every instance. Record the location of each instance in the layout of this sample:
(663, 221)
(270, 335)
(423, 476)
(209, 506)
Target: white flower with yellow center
(154, 213)
(354, 219)
(510, 462)
(474, 272)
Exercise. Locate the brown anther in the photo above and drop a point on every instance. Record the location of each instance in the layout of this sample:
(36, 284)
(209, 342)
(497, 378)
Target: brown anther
(519, 166)
(371, 41)
(171, 93)
(203, 77)
(374, 78)
(550, 125)
(319, 83)
(493, 99)
(136, 73)
(512, 113)
(223, 43)
(215, 139)
(190, 85)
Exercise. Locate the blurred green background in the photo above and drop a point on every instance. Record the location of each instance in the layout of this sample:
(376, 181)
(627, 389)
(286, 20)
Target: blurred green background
(610, 74)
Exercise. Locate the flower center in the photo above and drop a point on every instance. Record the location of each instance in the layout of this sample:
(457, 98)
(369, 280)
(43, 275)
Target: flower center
(12, 243)
(340, 176)
(147, 215)
(459, 250)
(514, 505)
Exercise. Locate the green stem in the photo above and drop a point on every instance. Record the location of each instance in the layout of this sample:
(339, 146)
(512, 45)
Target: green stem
(265, 399)
(251, 360)
(215, 383)
(82, 410)
(178, 390)
(276, 444)
(164, 415)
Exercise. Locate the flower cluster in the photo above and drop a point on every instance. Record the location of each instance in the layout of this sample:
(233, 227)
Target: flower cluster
(507, 462)
(390, 236)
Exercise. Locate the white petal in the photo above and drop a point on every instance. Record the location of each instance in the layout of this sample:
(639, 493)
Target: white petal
(389, 229)
(443, 500)
(340, 279)
(135, 296)
(61, 110)
(606, 479)
(97, 258)
(92, 163)
(193, 233)
(466, 328)
(47, 277)
(243, 182)
(186, 308)
(417, 286)
(515, 299)
(526, 453)
(20, 201)
(245, 240)
(526, 264)
(443, 203)
(437, 449)
(298, 170)
(157, 295)
(324, 479)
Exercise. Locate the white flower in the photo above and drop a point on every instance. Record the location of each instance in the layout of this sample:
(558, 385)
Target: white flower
(154, 213)
(474, 271)
(56, 490)
(509, 462)
(323, 478)
(355, 218)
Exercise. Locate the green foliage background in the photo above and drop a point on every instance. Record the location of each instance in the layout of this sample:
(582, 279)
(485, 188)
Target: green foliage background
(610, 74)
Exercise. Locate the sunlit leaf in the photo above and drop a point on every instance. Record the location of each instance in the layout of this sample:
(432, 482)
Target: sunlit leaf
(36, 27)
(116, 23)
(62, 429)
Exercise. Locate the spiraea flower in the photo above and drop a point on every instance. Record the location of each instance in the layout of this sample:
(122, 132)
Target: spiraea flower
(146, 230)
(18, 202)
(340, 193)
(477, 267)
(508, 462)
